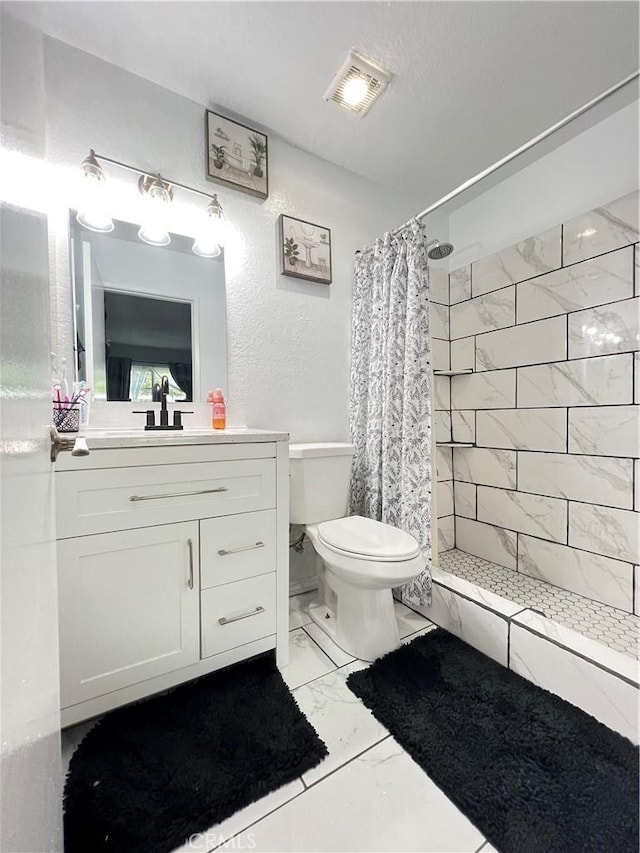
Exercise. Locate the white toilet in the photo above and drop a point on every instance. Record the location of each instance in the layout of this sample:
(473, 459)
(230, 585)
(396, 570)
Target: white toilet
(360, 560)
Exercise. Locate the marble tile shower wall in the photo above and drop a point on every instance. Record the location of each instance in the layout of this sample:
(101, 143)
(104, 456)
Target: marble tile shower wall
(439, 295)
(550, 327)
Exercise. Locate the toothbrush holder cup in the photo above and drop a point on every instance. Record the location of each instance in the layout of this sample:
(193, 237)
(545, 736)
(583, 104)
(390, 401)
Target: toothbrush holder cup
(66, 419)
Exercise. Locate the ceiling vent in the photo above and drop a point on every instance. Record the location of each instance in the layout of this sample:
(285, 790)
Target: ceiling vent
(357, 84)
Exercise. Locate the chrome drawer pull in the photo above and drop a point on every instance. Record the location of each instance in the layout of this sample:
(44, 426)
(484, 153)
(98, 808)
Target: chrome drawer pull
(190, 547)
(224, 553)
(178, 494)
(226, 621)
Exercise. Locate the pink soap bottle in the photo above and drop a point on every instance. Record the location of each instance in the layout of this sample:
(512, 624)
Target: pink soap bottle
(219, 408)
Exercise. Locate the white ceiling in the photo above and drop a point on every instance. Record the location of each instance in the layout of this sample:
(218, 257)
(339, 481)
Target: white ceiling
(474, 80)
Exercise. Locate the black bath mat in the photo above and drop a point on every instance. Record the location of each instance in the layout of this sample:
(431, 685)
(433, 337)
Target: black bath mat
(150, 775)
(532, 772)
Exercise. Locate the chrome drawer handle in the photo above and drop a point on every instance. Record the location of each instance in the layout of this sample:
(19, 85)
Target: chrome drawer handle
(190, 547)
(225, 621)
(178, 494)
(224, 553)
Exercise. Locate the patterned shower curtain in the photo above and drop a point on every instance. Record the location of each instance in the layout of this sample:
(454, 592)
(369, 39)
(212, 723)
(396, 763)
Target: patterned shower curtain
(390, 407)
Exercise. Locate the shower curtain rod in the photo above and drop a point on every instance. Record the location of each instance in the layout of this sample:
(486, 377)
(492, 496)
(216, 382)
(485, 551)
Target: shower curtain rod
(518, 151)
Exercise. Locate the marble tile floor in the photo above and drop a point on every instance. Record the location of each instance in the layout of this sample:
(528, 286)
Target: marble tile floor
(608, 625)
(367, 794)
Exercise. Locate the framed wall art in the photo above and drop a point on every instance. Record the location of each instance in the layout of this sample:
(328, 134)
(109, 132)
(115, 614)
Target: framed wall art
(236, 156)
(305, 249)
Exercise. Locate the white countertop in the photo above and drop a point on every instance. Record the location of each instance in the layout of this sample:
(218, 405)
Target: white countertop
(98, 439)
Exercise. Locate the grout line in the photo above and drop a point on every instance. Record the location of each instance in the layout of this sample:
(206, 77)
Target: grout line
(324, 652)
(552, 452)
(547, 406)
(468, 598)
(551, 498)
(354, 758)
(524, 610)
(543, 275)
(562, 361)
(580, 655)
(226, 841)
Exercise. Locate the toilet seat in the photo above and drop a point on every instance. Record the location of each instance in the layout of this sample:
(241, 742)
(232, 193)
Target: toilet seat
(365, 539)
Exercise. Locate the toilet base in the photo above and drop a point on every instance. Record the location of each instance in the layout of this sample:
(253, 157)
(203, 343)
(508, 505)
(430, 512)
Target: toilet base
(361, 621)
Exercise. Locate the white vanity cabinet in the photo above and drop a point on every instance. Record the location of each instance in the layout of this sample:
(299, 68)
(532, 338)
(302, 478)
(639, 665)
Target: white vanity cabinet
(128, 610)
(172, 562)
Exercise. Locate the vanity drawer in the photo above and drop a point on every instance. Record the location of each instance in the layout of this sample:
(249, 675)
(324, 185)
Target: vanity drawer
(107, 499)
(237, 547)
(237, 613)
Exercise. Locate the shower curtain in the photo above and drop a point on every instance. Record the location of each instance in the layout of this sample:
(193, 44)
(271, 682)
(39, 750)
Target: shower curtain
(390, 406)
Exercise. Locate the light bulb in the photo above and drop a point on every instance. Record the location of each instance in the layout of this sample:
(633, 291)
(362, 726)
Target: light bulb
(154, 228)
(93, 212)
(210, 239)
(355, 91)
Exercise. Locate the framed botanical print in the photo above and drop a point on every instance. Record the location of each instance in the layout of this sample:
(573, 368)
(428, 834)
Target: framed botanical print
(236, 156)
(305, 249)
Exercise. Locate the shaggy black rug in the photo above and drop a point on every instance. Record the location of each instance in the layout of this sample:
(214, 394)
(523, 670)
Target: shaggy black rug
(150, 775)
(532, 772)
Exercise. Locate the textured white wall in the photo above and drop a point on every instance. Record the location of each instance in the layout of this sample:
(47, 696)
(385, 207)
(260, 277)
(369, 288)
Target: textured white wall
(594, 167)
(288, 340)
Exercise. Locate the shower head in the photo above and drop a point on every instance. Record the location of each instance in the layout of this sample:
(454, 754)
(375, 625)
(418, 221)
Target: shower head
(440, 251)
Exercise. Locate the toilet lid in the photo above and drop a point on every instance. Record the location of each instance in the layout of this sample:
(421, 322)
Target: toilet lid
(365, 537)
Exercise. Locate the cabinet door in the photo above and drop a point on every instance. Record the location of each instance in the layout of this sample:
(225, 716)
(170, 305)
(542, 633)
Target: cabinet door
(129, 608)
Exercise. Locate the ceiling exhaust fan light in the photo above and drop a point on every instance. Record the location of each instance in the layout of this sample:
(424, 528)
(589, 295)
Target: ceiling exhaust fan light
(358, 83)
(355, 91)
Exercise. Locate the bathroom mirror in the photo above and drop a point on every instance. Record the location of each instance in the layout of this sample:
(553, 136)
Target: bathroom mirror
(145, 311)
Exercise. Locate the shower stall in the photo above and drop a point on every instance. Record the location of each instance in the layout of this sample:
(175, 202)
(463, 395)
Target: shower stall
(537, 429)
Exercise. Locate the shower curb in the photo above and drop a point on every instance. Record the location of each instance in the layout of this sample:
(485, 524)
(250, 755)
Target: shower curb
(602, 681)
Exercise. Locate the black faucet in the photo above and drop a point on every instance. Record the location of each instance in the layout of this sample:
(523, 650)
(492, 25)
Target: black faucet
(164, 412)
(164, 391)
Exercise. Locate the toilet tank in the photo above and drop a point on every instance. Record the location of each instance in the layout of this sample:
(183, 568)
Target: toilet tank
(319, 476)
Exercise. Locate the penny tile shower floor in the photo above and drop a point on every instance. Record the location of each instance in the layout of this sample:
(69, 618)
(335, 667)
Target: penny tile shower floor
(612, 627)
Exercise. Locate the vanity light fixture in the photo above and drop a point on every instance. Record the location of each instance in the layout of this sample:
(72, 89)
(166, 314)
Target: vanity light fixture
(158, 196)
(210, 240)
(358, 83)
(93, 212)
(158, 193)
